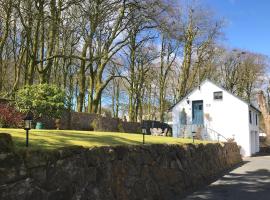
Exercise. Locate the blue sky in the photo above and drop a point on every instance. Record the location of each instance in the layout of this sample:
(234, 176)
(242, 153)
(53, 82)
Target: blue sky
(247, 23)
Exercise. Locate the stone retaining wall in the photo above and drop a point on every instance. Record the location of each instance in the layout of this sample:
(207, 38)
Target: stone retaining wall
(150, 172)
(90, 122)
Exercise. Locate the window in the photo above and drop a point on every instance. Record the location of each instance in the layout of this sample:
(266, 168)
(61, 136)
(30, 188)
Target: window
(218, 95)
(256, 119)
(250, 117)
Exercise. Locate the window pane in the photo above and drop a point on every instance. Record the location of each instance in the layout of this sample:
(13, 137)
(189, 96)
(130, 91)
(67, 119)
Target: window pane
(218, 95)
(256, 119)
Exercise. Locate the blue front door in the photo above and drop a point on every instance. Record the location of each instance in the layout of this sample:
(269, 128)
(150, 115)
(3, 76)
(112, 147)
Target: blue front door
(197, 112)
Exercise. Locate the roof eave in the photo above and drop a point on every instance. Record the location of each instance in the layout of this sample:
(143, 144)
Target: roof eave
(252, 106)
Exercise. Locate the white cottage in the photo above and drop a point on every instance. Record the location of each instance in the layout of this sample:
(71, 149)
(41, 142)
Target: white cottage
(212, 113)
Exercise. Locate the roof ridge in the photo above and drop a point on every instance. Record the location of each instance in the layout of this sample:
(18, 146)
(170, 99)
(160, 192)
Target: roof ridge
(218, 85)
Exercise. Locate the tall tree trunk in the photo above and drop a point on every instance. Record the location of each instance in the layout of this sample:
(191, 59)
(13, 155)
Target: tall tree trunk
(186, 64)
(30, 73)
(140, 106)
(100, 106)
(55, 11)
(131, 105)
(265, 114)
(131, 109)
(113, 99)
(18, 71)
(96, 102)
(4, 36)
(117, 99)
(33, 57)
(185, 70)
(82, 80)
(149, 104)
(91, 93)
(161, 81)
(161, 101)
(1, 72)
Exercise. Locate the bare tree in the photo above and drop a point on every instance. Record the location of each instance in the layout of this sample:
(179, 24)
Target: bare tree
(168, 55)
(6, 8)
(201, 31)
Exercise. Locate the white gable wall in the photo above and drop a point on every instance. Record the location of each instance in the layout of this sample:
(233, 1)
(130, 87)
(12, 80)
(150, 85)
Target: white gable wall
(229, 116)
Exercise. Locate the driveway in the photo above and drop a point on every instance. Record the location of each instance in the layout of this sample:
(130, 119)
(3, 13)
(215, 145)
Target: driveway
(251, 181)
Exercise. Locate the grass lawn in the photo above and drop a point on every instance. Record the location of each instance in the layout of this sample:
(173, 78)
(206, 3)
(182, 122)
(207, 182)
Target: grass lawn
(51, 139)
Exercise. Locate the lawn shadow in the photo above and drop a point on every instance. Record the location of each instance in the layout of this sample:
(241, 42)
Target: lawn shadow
(52, 139)
(101, 138)
(57, 140)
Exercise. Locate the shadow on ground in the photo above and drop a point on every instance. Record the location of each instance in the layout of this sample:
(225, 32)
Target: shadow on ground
(246, 185)
(60, 140)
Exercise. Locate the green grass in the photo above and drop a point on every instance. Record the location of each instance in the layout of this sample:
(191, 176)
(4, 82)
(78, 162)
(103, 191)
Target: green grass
(52, 139)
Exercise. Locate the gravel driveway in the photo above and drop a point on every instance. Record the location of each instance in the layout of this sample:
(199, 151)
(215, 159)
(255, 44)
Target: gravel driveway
(251, 181)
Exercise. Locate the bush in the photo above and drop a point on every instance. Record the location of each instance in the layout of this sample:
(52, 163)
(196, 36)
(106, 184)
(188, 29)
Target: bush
(10, 117)
(42, 99)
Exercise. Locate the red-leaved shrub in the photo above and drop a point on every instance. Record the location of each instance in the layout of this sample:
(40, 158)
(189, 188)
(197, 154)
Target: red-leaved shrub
(10, 117)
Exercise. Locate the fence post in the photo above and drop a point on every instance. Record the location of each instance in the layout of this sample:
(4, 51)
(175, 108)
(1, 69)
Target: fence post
(144, 129)
(193, 136)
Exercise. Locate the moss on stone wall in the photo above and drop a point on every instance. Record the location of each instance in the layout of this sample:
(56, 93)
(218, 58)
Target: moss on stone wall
(121, 172)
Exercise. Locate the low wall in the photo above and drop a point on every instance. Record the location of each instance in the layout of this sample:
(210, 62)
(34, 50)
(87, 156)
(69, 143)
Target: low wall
(81, 121)
(90, 122)
(160, 172)
(130, 127)
(265, 150)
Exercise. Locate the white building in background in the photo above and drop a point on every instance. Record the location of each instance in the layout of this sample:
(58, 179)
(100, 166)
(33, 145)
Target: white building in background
(212, 113)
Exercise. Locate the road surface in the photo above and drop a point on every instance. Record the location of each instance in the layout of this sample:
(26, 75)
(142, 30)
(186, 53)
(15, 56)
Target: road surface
(251, 181)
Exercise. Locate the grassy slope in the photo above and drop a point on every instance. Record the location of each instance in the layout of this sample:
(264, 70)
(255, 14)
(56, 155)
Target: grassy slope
(51, 139)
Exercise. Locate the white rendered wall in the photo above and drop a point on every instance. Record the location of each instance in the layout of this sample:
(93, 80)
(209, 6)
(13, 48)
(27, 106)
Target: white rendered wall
(229, 116)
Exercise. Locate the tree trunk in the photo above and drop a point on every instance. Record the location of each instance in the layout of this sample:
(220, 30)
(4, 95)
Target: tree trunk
(265, 114)
(117, 99)
(161, 101)
(1, 73)
(4, 36)
(95, 104)
(18, 71)
(113, 100)
(185, 70)
(81, 95)
(131, 106)
(30, 73)
(132, 58)
(82, 80)
(149, 101)
(189, 38)
(91, 93)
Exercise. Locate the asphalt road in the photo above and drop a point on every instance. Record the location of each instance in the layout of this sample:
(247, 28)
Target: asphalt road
(251, 181)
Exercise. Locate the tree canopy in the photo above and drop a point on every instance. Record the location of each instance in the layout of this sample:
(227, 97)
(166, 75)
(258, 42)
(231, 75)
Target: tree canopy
(41, 99)
(135, 58)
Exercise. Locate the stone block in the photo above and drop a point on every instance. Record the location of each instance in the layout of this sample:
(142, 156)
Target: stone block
(6, 143)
